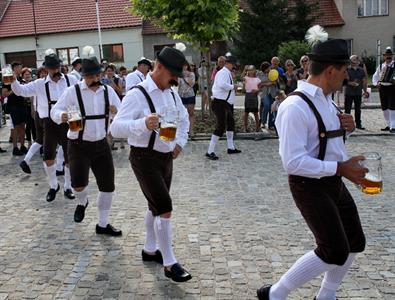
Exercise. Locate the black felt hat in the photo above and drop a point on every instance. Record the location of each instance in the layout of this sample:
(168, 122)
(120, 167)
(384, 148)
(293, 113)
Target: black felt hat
(330, 51)
(173, 60)
(76, 60)
(388, 51)
(52, 61)
(231, 59)
(144, 61)
(90, 66)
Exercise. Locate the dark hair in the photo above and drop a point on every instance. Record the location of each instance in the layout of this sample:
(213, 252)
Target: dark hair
(122, 68)
(265, 65)
(112, 67)
(26, 69)
(188, 66)
(39, 70)
(15, 64)
(134, 68)
(317, 68)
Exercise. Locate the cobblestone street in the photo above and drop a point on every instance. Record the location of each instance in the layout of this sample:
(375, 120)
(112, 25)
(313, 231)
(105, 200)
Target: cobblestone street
(235, 228)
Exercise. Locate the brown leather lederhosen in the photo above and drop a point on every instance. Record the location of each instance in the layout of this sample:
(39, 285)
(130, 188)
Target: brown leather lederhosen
(54, 134)
(327, 206)
(153, 170)
(85, 155)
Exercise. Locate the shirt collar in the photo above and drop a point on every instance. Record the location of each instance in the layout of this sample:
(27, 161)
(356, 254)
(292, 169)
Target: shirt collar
(48, 78)
(312, 90)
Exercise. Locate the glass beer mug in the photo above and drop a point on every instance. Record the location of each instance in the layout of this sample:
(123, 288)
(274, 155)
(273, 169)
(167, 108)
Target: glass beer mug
(75, 119)
(7, 75)
(373, 182)
(168, 125)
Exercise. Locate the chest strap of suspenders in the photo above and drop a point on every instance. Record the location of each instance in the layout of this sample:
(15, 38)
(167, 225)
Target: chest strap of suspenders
(50, 102)
(152, 108)
(106, 115)
(230, 92)
(323, 135)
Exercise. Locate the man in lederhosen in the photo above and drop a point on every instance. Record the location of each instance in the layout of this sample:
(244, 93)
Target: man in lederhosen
(134, 78)
(48, 90)
(88, 148)
(312, 133)
(386, 89)
(224, 99)
(152, 158)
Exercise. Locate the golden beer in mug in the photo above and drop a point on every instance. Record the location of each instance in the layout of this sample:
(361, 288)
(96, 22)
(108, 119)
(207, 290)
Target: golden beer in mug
(7, 75)
(168, 132)
(372, 184)
(75, 124)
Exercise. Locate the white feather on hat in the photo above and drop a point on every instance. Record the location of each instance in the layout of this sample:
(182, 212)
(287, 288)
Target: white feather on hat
(88, 51)
(228, 54)
(316, 34)
(49, 52)
(181, 47)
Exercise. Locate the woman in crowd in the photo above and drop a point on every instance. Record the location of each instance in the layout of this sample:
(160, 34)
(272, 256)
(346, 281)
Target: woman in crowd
(30, 128)
(291, 77)
(187, 94)
(268, 90)
(303, 72)
(203, 85)
(251, 82)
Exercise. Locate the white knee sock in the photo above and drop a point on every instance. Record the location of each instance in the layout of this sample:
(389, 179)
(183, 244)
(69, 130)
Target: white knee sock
(104, 201)
(59, 159)
(213, 143)
(229, 139)
(82, 196)
(387, 116)
(305, 268)
(150, 239)
(333, 279)
(392, 118)
(32, 150)
(51, 175)
(67, 178)
(164, 237)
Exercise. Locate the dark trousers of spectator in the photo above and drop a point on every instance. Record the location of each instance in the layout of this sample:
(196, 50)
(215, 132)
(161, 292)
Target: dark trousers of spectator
(357, 107)
(30, 127)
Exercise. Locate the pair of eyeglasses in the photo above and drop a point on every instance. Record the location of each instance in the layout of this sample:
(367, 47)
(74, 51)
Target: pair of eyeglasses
(304, 61)
(290, 65)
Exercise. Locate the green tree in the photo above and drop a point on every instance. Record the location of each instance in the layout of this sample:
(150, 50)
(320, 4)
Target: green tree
(293, 50)
(301, 17)
(199, 22)
(262, 28)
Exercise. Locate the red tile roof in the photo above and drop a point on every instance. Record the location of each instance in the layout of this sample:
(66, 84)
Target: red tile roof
(56, 16)
(150, 28)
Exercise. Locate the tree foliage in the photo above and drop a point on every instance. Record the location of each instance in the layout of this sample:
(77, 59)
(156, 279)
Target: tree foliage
(268, 24)
(293, 50)
(199, 22)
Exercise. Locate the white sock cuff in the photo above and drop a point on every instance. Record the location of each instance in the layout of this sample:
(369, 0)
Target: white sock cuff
(81, 196)
(104, 200)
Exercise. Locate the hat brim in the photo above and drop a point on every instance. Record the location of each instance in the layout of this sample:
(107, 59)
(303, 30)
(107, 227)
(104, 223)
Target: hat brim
(174, 71)
(329, 59)
(91, 72)
(52, 66)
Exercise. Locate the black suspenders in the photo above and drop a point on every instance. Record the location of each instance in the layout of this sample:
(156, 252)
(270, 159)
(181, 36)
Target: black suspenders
(323, 135)
(230, 92)
(106, 115)
(50, 102)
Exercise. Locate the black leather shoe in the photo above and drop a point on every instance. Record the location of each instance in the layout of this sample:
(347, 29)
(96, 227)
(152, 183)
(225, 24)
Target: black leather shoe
(25, 167)
(361, 127)
(177, 273)
(263, 292)
(233, 151)
(157, 257)
(109, 230)
(392, 130)
(69, 194)
(52, 194)
(16, 152)
(23, 149)
(59, 173)
(79, 213)
(2, 150)
(212, 156)
(385, 128)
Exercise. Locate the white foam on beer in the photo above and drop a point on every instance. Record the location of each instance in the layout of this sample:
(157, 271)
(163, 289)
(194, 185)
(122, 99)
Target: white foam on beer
(371, 177)
(168, 126)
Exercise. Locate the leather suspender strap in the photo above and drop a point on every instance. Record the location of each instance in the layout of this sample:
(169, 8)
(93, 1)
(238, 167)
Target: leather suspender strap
(152, 108)
(106, 115)
(82, 110)
(50, 102)
(230, 92)
(322, 134)
(67, 80)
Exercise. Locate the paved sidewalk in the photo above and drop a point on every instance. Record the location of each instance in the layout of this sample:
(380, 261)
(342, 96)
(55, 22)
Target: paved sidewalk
(235, 228)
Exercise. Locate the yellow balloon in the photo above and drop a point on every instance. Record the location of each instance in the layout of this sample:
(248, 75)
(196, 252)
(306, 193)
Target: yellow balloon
(273, 75)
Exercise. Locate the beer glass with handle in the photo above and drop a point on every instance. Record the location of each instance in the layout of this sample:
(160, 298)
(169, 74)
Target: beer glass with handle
(7, 75)
(373, 182)
(168, 124)
(75, 119)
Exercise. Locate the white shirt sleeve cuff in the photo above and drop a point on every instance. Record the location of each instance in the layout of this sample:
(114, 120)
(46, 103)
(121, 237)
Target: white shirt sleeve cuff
(138, 127)
(330, 168)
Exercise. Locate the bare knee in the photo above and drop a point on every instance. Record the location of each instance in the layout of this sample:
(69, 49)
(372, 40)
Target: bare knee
(166, 215)
(79, 189)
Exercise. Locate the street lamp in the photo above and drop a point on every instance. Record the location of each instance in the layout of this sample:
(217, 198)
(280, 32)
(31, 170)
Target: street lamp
(99, 29)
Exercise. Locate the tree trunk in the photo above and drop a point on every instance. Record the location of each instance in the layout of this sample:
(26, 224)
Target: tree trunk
(207, 58)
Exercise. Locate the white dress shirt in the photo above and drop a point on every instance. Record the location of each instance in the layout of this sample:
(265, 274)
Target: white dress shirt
(298, 132)
(76, 74)
(130, 120)
(133, 79)
(377, 75)
(37, 88)
(94, 105)
(223, 83)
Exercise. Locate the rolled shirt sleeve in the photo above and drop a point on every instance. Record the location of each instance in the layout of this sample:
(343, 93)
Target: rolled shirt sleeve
(61, 106)
(24, 90)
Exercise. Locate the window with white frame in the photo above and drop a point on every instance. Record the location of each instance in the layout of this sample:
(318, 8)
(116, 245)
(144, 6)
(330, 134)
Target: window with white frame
(368, 8)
